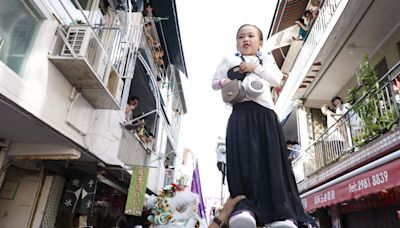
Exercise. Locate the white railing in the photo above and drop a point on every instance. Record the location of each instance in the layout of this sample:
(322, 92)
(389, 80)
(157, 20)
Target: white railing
(319, 27)
(320, 24)
(123, 48)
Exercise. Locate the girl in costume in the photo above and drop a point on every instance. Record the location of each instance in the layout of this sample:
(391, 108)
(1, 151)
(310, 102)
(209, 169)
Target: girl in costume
(257, 164)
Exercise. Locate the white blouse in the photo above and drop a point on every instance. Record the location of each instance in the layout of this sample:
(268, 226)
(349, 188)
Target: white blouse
(268, 72)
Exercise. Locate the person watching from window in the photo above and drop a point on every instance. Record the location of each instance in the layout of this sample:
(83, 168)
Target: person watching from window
(133, 103)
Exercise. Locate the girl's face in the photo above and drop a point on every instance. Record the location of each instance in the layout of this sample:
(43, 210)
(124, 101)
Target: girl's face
(337, 103)
(248, 40)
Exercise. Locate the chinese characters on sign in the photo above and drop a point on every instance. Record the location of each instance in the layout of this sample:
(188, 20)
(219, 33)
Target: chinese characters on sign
(324, 197)
(372, 181)
(137, 190)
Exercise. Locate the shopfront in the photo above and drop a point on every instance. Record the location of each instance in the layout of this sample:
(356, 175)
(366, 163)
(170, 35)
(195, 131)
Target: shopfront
(364, 200)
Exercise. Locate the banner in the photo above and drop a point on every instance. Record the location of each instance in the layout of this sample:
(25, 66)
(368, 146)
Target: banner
(72, 192)
(373, 181)
(88, 193)
(137, 191)
(196, 188)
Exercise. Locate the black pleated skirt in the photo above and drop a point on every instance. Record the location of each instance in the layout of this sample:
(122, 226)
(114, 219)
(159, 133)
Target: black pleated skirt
(258, 166)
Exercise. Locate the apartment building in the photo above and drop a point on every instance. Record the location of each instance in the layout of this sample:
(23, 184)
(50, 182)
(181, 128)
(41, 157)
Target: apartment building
(347, 173)
(67, 71)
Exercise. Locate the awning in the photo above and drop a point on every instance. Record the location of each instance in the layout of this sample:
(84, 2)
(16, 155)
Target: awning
(288, 12)
(373, 181)
(170, 30)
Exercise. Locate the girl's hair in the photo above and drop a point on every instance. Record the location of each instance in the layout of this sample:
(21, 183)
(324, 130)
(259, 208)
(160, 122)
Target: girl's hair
(336, 98)
(258, 29)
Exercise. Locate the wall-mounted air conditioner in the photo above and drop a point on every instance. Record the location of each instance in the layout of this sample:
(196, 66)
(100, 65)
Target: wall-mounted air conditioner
(115, 84)
(84, 43)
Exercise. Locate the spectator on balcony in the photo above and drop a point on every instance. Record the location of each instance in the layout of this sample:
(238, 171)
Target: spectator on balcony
(133, 103)
(353, 121)
(396, 89)
(314, 7)
(340, 107)
(335, 136)
(149, 11)
(304, 23)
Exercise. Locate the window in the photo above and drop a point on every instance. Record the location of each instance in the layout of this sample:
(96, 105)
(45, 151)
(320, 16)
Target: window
(397, 45)
(381, 68)
(18, 27)
(69, 13)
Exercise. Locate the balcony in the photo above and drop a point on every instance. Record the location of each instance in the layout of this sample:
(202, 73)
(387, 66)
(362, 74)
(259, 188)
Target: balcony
(367, 131)
(81, 58)
(132, 150)
(300, 60)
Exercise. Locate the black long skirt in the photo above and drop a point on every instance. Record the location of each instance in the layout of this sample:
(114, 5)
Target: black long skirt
(258, 165)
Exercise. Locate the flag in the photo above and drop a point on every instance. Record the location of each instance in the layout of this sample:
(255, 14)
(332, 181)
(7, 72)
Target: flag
(72, 192)
(196, 188)
(88, 193)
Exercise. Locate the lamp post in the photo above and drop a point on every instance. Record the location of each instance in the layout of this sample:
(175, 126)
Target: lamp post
(221, 163)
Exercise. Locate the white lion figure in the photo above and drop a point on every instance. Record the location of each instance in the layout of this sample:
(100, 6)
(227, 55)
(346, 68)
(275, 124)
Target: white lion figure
(175, 207)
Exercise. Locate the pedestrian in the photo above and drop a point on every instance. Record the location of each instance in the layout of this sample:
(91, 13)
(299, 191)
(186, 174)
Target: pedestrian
(256, 153)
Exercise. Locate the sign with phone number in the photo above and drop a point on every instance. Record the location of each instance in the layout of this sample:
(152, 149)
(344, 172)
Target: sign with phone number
(372, 181)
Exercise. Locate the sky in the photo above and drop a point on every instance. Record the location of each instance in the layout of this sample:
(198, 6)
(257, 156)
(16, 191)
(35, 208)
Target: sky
(208, 30)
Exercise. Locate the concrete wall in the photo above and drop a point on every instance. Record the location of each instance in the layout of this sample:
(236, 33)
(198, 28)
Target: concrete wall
(44, 92)
(389, 49)
(18, 197)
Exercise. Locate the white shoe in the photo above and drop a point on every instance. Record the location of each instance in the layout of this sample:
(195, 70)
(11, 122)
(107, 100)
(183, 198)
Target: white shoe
(242, 220)
(282, 224)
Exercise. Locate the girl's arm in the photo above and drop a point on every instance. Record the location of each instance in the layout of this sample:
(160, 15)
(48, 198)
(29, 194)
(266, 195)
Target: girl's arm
(270, 72)
(303, 26)
(220, 75)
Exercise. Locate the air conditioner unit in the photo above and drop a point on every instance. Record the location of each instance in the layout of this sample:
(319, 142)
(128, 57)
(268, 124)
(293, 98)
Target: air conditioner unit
(85, 44)
(115, 84)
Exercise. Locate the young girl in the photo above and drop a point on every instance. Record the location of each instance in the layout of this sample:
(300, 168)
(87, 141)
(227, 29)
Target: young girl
(257, 164)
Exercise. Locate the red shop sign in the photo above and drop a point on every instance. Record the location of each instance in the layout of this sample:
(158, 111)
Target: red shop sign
(384, 177)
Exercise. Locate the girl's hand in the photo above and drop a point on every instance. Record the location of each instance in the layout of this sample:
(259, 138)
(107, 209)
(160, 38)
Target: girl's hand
(130, 108)
(224, 81)
(228, 207)
(247, 67)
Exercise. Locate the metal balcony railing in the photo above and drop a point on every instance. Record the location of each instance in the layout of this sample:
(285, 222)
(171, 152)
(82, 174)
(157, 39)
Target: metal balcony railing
(152, 46)
(132, 150)
(356, 128)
